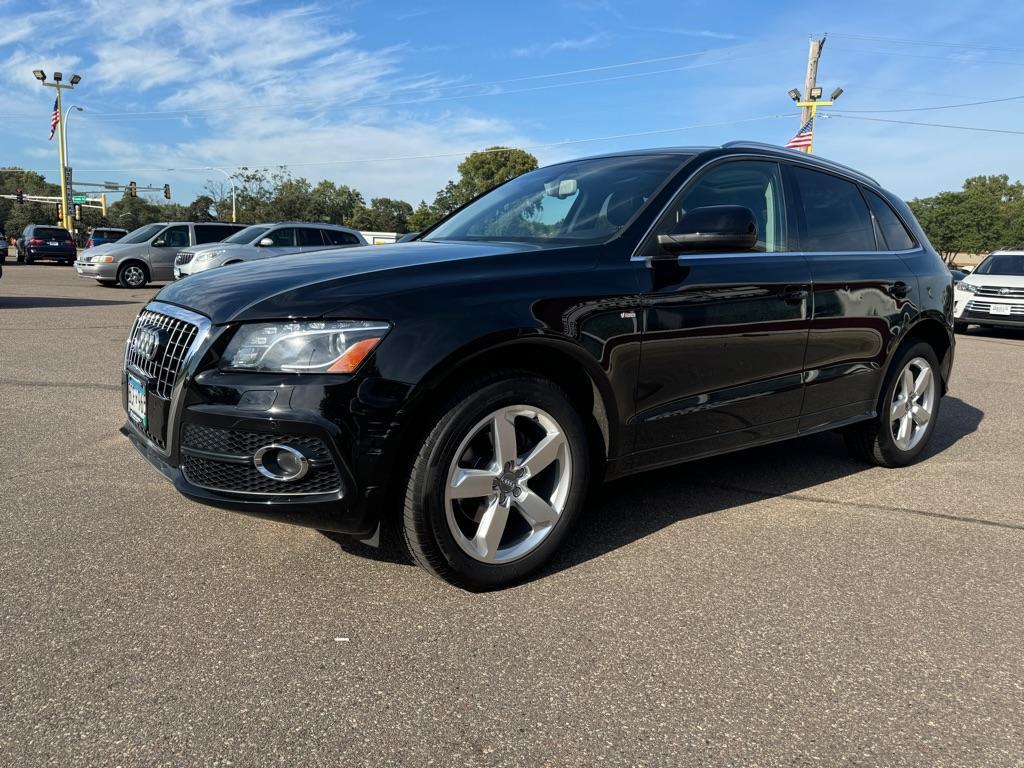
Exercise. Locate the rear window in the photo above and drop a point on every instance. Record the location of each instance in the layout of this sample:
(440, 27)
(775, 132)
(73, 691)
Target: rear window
(306, 238)
(334, 237)
(213, 233)
(836, 216)
(896, 236)
(109, 233)
(50, 233)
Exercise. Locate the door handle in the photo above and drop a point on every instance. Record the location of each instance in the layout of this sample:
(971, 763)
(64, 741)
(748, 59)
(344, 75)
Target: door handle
(899, 290)
(793, 295)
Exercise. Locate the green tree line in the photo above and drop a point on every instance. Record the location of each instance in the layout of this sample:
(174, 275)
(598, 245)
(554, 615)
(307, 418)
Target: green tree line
(263, 194)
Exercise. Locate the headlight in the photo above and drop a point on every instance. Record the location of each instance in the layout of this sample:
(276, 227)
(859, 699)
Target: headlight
(965, 286)
(206, 256)
(323, 346)
(101, 259)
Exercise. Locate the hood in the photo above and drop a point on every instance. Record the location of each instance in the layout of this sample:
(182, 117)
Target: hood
(216, 247)
(999, 281)
(311, 285)
(96, 250)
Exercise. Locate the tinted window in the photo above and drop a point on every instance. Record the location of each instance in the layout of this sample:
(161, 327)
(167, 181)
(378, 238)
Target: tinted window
(175, 237)
(283, 237)
(308, 238)
(570, 203)
(50, 233)
(143, 234)
(334, 237)
(756, 185)
(212, 233)
(896, 236)
(836, 215)
(1002, 264)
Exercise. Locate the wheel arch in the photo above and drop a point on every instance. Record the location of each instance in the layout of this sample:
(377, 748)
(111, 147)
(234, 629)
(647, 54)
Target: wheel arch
(932, 329)
(560, 361)
(137, 261)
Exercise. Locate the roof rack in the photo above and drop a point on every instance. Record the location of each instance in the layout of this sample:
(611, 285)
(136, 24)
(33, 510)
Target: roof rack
(814, 158)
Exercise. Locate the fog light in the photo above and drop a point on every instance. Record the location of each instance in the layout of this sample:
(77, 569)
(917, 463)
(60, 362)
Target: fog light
(281, 462)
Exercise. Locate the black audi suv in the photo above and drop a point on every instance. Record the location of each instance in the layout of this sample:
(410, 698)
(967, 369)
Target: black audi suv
(595, 318)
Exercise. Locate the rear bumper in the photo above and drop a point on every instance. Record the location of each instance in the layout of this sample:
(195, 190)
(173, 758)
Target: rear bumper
(51, 253)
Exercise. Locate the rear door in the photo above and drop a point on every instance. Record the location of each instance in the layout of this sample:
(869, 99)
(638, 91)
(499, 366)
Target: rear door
(336, 238)
(724, 333)
(863, 293)
(309, 239)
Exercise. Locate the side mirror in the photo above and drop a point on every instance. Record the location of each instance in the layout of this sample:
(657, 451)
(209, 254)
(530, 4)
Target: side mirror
(159, 243)
(407, 237)
(266, 242)
(713, 228)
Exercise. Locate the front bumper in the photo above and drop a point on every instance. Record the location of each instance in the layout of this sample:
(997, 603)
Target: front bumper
(97, 271)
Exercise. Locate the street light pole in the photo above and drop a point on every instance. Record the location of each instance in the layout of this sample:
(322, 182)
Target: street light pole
(231, 181)
(64, 127)
(65, 212)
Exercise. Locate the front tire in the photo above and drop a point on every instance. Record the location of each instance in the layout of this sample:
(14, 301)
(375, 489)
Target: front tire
(497, 483)
(132, 275)
(907, 411)
(959, 327)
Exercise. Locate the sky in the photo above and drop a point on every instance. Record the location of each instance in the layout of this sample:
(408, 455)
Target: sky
(389, 97)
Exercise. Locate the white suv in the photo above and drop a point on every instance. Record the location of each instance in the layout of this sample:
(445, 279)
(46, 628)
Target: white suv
(993, 294)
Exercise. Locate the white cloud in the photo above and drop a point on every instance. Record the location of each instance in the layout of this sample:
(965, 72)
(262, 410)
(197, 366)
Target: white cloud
(558, 46)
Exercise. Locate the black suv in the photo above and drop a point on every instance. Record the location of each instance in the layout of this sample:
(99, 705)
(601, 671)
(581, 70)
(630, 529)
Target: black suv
(584, 321)
(41, 241)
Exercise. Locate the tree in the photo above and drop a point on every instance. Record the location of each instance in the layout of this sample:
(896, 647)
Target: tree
(333, 203)
(481, 171)
(384, 215)
(422, 218)
(199, 209)
(14, 217)
(133, 212)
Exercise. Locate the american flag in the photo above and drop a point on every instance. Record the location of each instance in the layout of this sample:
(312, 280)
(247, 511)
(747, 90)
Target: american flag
(54, 119)
(804, 137)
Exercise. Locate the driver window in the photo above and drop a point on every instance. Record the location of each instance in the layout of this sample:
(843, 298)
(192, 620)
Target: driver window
(754, 184)
(283, 238)
(175, 237)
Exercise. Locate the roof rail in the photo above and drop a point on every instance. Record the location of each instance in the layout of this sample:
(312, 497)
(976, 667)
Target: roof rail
(814, 158)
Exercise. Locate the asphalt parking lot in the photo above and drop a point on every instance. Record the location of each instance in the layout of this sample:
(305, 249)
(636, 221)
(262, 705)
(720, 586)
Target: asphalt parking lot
(782, 606)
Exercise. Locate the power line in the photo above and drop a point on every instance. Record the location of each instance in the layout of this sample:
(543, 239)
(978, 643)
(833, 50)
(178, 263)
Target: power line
(934, 43)
(959, 60)
(461, 153)
(944, 106)
(929, 125)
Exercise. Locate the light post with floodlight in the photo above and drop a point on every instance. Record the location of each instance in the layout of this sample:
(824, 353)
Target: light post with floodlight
(811, 104)
(65, 182)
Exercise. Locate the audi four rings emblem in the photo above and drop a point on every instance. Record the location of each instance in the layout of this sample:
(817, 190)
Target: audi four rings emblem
(146, 343)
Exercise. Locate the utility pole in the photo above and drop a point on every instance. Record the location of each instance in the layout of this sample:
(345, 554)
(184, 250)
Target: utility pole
(811, 81)
(811, 99)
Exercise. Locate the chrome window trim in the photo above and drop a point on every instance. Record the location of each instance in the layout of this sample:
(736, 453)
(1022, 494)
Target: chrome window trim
(188, 366)
(850, 176)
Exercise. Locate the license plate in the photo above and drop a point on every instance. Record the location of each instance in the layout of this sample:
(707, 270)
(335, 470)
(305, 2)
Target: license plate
(79, 270)
(999, 309)
(137, 401)
(52, 242)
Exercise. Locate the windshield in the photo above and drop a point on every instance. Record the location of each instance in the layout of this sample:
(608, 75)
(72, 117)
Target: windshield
(247, 235)
(142, 234)
(586, 201)
(1002, 264)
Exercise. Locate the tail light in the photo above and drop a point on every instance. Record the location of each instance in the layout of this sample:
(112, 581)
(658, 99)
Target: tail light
(88, 243)
(69, 243)
(35, 241)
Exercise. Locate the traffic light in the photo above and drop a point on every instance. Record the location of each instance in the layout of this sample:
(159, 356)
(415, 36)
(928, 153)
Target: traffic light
(78, 213)
(133, 190)
(167, 191)
(21, 196)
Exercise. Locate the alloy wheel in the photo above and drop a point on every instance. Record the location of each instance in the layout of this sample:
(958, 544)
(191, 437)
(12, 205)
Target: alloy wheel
(913, 403)
(508, 484)
(134, 276)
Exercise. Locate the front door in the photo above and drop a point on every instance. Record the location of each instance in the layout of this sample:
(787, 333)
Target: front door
(163, 249)
(724, 334)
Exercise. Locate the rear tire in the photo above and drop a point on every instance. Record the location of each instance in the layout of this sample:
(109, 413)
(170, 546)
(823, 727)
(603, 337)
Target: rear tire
(907, 411)
(497, 483)
(29, 259)
(132, 275)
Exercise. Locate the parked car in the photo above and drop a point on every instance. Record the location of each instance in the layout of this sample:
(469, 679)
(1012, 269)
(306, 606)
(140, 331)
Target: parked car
(584, 321)
(264, 241)
(147, 254)
(104, 235)
(993, 294)
(958, 274)
(43, 241)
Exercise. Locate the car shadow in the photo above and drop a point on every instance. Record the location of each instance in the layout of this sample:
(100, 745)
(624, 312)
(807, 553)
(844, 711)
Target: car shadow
(54, 302)
(994, 332)
(635, 507)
